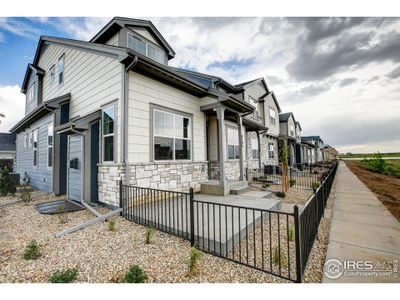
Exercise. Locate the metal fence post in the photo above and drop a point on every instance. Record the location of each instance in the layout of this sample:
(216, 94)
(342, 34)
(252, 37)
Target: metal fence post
(299, 273)
(120, 196)
(191, 218)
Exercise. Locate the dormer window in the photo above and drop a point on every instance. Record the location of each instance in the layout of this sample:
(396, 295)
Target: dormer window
(143, 47)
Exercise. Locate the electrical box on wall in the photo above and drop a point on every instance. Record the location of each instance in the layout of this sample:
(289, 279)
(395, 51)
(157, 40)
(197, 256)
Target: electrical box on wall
(74, 163)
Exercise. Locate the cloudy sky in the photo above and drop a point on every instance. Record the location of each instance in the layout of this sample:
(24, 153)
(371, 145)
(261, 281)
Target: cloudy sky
(339, 76)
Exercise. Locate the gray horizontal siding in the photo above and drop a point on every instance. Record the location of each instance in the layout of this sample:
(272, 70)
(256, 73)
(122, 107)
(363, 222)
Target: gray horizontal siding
(31, 105)
(41, 177)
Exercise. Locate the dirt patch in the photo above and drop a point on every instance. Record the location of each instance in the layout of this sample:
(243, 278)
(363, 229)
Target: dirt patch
(386, 188)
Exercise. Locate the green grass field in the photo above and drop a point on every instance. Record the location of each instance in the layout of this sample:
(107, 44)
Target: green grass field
(364, 155)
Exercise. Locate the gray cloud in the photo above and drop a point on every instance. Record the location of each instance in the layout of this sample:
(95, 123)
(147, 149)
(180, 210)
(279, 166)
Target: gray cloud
(347, 81)
(394, 74)
(360, 132)
(347, 48)
(372, 79)
(273, 79)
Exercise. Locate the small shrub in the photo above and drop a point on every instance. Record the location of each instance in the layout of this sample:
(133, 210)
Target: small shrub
(193, 265)
(32, 250)
(292, 182)
(6, 184)
(149, 234)
(266, 185)
(135, 275)
(315, 185)
(62, 214)
(278, 256)
(291, 233)
(25, 195)
(66, 276)
(280, 194)
(111, 225)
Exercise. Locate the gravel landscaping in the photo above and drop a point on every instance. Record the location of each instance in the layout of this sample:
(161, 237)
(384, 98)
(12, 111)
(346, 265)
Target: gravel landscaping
(104, 256)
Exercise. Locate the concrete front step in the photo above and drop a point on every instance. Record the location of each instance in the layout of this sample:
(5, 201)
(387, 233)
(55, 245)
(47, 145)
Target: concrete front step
(213, 187)
(239, 190)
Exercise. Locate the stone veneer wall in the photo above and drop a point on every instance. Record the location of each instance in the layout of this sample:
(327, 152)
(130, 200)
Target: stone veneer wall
(169, 176)
(165, 176)
(232, 170)
(109, 176)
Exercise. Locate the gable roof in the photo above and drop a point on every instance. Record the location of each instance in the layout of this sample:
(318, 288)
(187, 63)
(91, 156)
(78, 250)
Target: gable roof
(312, 138)
(7, 141)
(29, 69)
(284, 117)
(117, 23)
(251, 82)
(298, 124)
(274, 98)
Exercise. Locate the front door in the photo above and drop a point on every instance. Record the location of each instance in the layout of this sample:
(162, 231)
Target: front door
(75, 167)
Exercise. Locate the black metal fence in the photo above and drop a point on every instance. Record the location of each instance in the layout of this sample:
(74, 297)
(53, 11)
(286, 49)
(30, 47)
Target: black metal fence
(305, 179)
(167, 211)
(274, 242)
(261, 239)
(310, 217)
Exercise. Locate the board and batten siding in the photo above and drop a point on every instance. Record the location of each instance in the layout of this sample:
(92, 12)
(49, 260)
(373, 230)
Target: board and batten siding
(144, 91)
(92, 79)
(273, 129)
(41, 176)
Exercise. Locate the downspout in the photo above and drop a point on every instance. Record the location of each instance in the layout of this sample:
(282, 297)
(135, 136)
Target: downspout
(124, 116)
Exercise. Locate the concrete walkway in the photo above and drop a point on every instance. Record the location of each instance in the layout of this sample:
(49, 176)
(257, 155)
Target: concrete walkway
(361, 229)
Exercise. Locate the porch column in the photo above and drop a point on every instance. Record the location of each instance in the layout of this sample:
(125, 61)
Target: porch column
(240, 133)
(221, 143)
(259, 150)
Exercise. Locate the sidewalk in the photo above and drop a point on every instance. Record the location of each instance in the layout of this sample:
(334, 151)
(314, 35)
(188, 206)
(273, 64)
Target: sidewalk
(362, 228)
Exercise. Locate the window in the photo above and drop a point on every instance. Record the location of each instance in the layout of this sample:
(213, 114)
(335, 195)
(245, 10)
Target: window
(145, 48)
(50, 145)
(233, 144)
(108, 133)
(61, 69)
(26, 143)
(35, 145)
(171, 136)
(31, 93)
(271, 152)
(272, 116)
(256, 105)
(52, 73)
(254, 149)
(30, 140)
(291, 130)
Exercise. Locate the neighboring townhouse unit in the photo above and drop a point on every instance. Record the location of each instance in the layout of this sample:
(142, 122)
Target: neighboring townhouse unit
(112, 109)
(7, 150)
(287, 132)
(318, 144)
(308, 151)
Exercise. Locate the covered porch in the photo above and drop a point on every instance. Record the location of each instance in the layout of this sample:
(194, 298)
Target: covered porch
(227, 123)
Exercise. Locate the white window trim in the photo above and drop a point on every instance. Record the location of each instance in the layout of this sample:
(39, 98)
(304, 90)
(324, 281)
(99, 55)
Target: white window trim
(256, 148)
(270, 117)
(103, 136)
(147, 43)
(58, 70)
(50, 146)
(269, 150)
(190, 138)
(227, 143)
(35, 148)
(53, 67)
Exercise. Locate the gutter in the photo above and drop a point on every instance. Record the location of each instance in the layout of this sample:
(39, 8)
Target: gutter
(124, 114)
